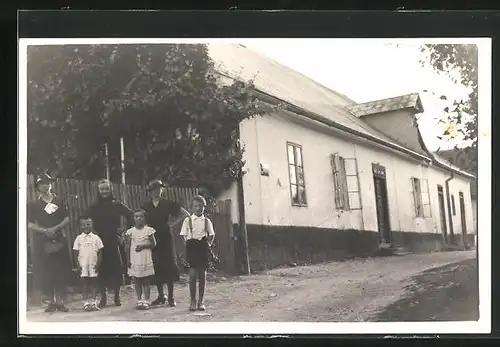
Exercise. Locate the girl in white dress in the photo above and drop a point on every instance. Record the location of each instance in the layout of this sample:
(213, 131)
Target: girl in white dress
(140, 241)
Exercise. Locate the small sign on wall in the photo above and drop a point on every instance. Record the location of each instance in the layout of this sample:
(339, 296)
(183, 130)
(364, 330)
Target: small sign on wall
(378, 170)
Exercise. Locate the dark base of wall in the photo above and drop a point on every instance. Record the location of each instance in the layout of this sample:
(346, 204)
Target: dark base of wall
(272, 246)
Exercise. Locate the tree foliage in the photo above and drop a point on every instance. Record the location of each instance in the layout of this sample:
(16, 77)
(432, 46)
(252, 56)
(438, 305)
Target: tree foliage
(178, 122)
(460, 63)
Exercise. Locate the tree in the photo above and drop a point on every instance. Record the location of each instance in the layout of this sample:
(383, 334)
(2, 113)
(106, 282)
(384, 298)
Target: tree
(178, 122)
(460, 63)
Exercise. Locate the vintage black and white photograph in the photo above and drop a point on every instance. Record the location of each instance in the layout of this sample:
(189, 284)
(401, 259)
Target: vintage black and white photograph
(253, 181)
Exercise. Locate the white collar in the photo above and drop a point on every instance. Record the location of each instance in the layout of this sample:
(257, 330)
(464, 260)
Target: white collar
(193, 216)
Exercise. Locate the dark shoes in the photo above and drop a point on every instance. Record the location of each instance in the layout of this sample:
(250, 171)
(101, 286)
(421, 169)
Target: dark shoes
(104, 302)
(51, 308)
(162, 301)
(56, 307)
(62, 308)
(159, 301)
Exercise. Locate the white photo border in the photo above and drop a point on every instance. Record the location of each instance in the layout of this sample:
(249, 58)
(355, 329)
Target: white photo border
(483, 325)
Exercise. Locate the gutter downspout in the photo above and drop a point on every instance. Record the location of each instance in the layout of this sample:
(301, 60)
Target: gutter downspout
(448, 199)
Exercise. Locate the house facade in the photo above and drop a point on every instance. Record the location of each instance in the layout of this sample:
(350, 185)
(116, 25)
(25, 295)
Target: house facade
(328, 179)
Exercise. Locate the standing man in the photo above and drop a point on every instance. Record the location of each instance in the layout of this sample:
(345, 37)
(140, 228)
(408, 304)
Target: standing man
(106, 215)
(162, 215)
(47, 216)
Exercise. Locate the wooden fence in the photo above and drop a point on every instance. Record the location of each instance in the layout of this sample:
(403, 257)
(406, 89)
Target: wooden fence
(79, 195)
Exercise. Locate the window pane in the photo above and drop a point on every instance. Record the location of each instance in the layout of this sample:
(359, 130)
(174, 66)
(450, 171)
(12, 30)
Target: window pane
(354, 201)
(427, 211)
(291, 155)
(301, 177)
(302, 195)
(352, 183)
(295, 196)
(298, 155)
(293, 174)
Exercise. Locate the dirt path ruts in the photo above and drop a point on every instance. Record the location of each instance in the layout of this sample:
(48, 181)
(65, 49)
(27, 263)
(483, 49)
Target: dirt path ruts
(344, 291)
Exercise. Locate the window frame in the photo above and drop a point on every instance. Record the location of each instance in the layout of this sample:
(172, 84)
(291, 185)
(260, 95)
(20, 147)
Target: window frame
(417, 198)
(425, 210)
(295, 187)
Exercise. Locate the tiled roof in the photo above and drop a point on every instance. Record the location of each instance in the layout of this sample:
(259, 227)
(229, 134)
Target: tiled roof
(289, 85)
(409, 101)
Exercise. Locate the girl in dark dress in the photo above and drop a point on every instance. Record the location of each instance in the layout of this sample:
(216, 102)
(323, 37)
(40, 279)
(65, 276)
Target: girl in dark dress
(106, 215)
(162, 215)
(52, 267)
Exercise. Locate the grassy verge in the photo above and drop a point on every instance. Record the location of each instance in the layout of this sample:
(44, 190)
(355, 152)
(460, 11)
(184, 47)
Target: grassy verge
(448, 293)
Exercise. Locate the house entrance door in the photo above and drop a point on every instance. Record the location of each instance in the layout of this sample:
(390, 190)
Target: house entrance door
(462, 216)
(382, 204)
(442, 213)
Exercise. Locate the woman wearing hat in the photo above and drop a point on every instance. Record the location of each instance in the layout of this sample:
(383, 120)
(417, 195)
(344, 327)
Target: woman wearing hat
(106, 215)
(47, 216)
(162, 215)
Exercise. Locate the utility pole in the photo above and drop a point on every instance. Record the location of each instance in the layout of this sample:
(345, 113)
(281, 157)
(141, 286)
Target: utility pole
(106, 160)
(122, 159)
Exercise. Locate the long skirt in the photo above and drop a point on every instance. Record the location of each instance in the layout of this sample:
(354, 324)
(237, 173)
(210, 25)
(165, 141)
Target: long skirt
(112, 266)
(197, 253)
(52, 271)
(165, 265)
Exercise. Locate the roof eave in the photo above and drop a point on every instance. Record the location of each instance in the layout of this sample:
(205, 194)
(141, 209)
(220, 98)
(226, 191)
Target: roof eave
(452, 169)
(272, 99)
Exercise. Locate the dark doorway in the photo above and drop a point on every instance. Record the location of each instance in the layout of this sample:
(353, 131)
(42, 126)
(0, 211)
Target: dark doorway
(462, 217)
(442, 213)
(381, 200)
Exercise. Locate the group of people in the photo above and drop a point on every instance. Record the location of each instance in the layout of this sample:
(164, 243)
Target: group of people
(144, 248)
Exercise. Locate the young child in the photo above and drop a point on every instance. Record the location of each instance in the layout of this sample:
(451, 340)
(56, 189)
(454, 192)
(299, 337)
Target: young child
(139, 242)
(88, 248)
(198, 233)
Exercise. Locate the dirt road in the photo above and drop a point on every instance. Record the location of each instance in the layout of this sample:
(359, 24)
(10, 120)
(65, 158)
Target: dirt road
(356, 290)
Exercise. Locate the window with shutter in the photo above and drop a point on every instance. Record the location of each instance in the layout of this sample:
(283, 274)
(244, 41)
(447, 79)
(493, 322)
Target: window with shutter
(346, 183)
(296, 175)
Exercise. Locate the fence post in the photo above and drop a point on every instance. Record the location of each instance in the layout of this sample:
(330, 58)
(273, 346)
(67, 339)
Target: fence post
(243, 226)
(230, 257)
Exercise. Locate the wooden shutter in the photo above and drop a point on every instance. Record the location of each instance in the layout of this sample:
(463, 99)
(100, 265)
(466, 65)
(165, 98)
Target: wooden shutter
(413, 197)
(335, 161)
(343, 185)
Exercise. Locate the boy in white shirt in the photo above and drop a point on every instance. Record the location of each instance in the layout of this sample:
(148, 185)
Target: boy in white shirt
(198, 233)
(88, 248)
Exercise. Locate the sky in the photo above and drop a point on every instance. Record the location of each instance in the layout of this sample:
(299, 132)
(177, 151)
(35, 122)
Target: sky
(370, 70)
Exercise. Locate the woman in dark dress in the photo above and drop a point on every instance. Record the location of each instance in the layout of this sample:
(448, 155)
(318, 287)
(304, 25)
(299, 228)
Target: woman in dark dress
(47, 217)
(106, 215)
(162, 215)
